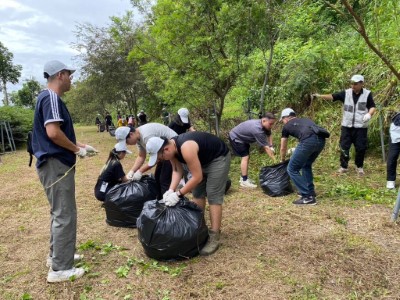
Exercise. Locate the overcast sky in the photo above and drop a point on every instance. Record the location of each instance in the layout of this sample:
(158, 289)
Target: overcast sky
(37, 31)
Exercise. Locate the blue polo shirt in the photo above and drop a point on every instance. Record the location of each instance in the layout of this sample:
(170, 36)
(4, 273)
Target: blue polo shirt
(50, 108)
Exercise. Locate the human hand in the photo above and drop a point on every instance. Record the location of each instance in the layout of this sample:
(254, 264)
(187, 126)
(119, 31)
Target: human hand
(170, 191)
(272, 149)
(137, 175)
(81, 153)
(366, 117)
(172, 199)
(315, 96)
(91, 149)
(130, 175)
(291, 151)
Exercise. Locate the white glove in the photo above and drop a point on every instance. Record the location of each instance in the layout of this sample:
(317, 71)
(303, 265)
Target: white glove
(272, 149)
(91, 149)
(130, 175)
(81, 153)
(291, 150)
(366, 117)
(172, 199)
(315, 95)
(137, 175)
(169, 192)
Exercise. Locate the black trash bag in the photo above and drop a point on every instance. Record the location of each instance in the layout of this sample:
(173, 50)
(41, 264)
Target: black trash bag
(124, 202)
(111, 130)
(275, 181)
(228, 185)
(172, 233)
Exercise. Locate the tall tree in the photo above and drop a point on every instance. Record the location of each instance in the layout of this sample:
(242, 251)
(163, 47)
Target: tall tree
(195, 50)
(26, 97)
(8, 71)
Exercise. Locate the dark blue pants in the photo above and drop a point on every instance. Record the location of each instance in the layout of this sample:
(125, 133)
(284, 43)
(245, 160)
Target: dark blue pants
(391, 165)
(358, 137)
(300, 164)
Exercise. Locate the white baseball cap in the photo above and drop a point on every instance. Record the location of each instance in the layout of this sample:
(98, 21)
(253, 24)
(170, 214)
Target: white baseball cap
(286, 113)
(153, 146)
(184, 114)
(121, 146)
(121, 133)
(357, 78)
(54, 66)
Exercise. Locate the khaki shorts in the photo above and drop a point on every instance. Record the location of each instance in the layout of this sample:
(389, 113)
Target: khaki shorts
(215, 176)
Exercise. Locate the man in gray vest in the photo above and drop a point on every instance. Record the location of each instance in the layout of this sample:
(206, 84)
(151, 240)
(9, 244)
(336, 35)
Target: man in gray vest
(358, 108)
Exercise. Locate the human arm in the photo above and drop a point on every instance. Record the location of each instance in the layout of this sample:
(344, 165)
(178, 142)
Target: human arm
(283, 149)
(269, 150)
(57, 136)
(324, 97)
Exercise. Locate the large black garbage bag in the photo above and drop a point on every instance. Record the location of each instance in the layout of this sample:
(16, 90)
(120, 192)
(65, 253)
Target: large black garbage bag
(172, 233)
(275, 181)
(111, 130)
(124, 202)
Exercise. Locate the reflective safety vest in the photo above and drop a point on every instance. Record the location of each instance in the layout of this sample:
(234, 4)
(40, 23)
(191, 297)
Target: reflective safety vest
(395, 130)
(353, 114)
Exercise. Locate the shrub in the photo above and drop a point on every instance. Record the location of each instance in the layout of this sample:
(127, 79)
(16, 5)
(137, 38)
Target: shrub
(21, 121)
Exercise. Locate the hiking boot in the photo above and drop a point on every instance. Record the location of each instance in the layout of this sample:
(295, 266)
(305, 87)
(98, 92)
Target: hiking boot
(77, 257)
(247, 183)
(390, 185)
(342, 170)
(310, 200)
(65, 275)
(212, 243)
(360, 171)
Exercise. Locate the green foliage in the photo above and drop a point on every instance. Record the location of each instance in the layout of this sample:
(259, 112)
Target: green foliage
(26, 97)
(21, 121)
(8, 71)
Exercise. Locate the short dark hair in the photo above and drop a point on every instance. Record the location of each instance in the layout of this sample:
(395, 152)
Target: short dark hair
(269, 115)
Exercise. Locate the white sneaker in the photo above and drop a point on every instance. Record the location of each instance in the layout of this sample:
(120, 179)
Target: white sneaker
(77, 257)
(247, 183)
(342, 170)
(390, 185)
(65, 275)
(360, 171)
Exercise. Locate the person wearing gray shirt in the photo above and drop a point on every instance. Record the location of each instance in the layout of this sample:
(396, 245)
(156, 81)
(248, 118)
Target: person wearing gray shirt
(140, 137)
(248, 132)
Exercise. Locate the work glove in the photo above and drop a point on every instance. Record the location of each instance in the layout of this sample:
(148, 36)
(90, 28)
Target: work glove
(272, 149)
(81, 153)
(90, 151)
(169, 192)
(366, 117)
(172, 199)
(137, 175)
(291, 151)
(130, 175)
(315, 95)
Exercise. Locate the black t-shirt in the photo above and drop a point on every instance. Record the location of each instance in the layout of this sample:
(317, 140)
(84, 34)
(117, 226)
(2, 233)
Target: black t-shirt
(210, 146)
(110, 177)
(299, 128)
(179, 129)
(108, 120)
(340, 96)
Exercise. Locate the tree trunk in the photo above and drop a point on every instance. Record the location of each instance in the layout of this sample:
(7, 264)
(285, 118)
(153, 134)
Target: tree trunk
(5, 100)
(266, 78)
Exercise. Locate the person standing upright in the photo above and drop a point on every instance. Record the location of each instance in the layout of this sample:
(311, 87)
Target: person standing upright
(246, 133)
(55, 147)
(358, 108)
(142, 117)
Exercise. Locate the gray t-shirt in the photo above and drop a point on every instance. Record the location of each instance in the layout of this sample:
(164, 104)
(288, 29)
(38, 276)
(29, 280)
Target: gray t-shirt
(150, 130)
(249, 132)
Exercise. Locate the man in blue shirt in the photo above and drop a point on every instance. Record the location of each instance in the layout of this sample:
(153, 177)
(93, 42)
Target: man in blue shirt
(55, 147)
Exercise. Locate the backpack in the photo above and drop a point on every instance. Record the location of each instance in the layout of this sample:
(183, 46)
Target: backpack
(29, 148)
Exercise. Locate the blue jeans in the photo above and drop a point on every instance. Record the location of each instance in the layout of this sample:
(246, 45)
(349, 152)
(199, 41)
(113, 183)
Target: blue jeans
(302, 159)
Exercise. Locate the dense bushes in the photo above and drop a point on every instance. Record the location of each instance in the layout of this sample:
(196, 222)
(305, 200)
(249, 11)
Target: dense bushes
(21, 121)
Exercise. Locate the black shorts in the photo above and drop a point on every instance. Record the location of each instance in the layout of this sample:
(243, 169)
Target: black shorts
(240, 149)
